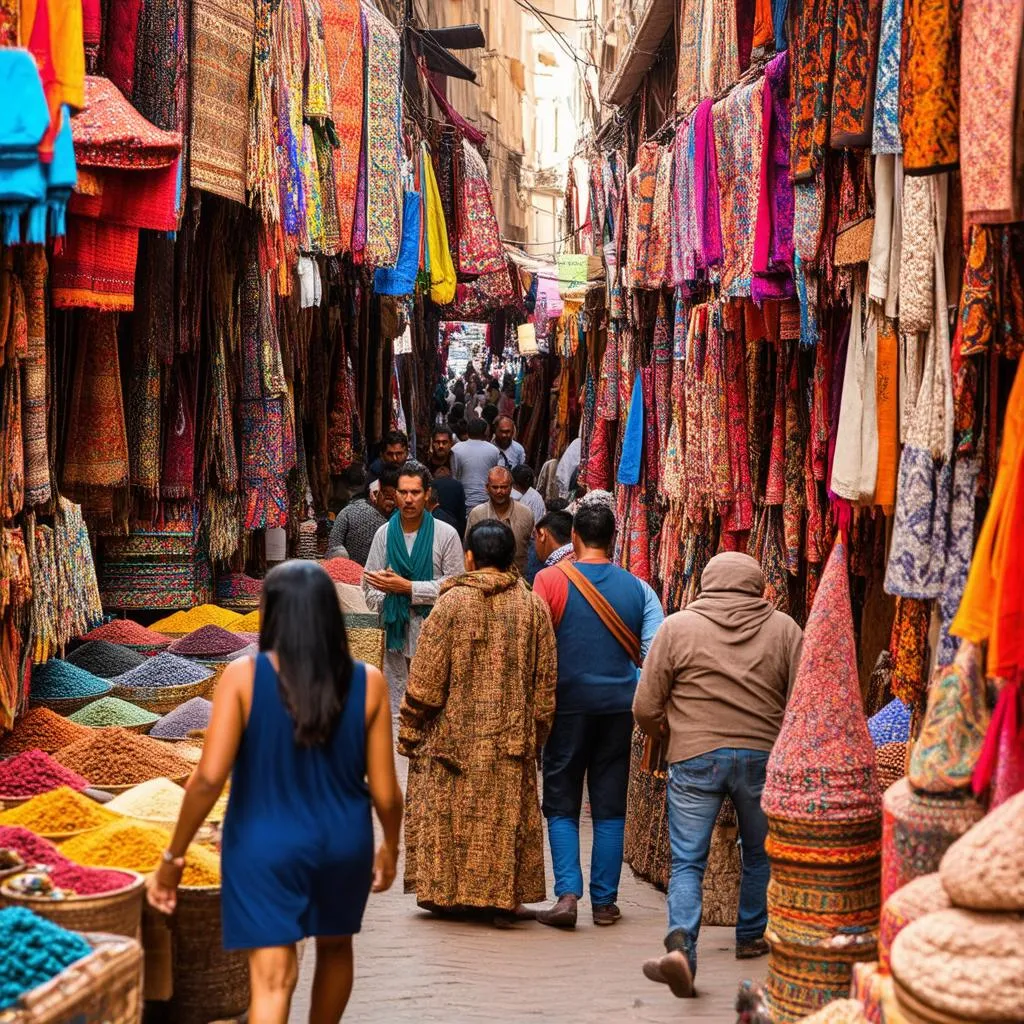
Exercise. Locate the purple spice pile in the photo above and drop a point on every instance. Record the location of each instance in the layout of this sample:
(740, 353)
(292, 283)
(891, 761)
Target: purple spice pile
(207, 642)
(193, 714)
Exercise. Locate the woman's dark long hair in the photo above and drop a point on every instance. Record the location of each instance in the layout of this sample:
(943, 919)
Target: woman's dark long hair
(301, 621)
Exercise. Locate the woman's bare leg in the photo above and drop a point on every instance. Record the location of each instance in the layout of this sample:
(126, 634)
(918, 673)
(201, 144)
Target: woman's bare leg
(332, 983)
(273, 972)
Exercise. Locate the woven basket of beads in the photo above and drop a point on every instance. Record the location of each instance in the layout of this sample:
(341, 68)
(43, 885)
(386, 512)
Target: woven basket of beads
(118, 790)
(118, 912)
(104, 986)
(210, 983)
(365, 639)
(162, 700)
(68, 705)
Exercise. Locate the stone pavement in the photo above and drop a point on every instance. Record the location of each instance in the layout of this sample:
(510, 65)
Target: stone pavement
(412, 968)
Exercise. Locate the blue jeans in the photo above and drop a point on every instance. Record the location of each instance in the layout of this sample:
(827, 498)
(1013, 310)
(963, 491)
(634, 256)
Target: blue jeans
(696, 789)
(605, 858)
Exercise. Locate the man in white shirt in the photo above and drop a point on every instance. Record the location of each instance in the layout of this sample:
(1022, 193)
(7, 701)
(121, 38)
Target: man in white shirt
(524, 491)
(510, 452)
(471, 461)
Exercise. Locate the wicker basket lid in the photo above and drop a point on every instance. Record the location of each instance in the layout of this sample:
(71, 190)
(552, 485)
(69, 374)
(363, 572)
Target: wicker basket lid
(823, 764)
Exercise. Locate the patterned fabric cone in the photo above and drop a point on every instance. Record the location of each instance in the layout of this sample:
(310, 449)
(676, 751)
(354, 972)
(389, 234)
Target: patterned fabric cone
(822, 767)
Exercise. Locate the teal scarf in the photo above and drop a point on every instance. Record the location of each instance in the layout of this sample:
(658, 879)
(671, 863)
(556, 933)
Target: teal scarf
(416, 565)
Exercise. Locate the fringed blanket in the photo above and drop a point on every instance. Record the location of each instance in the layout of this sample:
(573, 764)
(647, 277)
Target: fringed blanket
(384, 139)
(222, 46)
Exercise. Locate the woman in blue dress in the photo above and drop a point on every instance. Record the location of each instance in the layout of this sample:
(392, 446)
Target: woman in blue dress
(305, 734)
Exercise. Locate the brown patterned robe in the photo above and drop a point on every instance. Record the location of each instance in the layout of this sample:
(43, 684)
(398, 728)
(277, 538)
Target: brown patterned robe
(479, 705)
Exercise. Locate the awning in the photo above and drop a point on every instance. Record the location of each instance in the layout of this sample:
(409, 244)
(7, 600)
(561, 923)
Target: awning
(641, 51)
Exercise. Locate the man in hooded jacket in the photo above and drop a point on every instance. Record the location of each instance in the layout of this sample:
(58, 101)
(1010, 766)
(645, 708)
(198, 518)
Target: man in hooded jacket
(714, 686)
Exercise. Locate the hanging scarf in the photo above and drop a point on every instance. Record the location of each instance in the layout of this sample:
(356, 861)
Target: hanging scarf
(813, 50)
(633, 437)
(34, 381)
(853, 95)
(401, 280)
(886, 127)
(442, 269)
(709, 224)
(416, 565)
(143, 420)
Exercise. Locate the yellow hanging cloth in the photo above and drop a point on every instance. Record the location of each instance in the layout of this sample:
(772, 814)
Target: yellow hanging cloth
(442, 270)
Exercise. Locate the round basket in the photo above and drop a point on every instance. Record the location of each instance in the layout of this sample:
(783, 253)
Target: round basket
(117, 913)
(161, 700)
(118, 790)
(69, 705)
(217, 668)
(7, 802)
(210, 983)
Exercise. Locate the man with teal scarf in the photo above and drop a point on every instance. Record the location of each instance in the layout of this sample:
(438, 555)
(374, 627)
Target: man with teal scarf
(409, 558)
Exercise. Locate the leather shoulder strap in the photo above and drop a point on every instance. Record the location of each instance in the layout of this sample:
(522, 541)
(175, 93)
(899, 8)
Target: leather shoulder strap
(605, 612)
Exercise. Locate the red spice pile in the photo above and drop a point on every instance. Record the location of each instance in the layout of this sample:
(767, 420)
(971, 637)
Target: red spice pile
(66, 874)
(34, 772)
(207, 642)
(41, 729)
(344, 570)
(128, 634)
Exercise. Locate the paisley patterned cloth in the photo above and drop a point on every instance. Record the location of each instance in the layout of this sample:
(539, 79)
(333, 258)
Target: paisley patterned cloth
(709, 58)
(659, 246)
(822, 767)
(908, 646)
(709, 224)
(383, 158)
(812, 50)
(991, 136)
(885, 134)
(930, 85)
(738, 136)
(953, 731)
(641, 186)
(959, 548)
(480, 248)
(683, 266)
(853, 95)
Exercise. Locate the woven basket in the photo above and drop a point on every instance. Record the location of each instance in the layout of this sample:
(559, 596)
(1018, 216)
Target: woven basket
(7, 802)
(210, 983)
(118, 912)
(365, 639)
(68, 705)
(118, 790)
(102, 987)
(162, 700)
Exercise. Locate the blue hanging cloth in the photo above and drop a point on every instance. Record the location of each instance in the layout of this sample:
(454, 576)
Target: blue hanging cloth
(401, 279)
(633, 438)
(24, 118)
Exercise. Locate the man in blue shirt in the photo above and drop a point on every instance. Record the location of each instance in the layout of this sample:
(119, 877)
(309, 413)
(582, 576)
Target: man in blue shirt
(605, 619)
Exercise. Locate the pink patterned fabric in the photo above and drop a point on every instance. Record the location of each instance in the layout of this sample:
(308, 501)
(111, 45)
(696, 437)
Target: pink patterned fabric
(709, 225)
(480, 248)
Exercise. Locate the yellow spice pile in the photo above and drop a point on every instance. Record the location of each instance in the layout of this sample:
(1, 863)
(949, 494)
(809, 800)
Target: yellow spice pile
(58, 812)
(249, 623)
(196, 618)
(160, 800)
(137, 846)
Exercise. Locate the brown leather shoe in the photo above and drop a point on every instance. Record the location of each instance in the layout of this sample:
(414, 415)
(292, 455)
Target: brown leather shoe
(606, 914)
(561, 915)
(751, 949)
(672, 969)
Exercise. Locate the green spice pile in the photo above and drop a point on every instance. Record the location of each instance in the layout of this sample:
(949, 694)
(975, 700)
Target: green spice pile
(113, 711)
(32, 951)
(163, 670)
(61, 680)
(104, 659)
(115, 757)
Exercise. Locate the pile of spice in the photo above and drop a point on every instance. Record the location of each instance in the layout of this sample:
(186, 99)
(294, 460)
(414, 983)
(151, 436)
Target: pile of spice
(249, 623)
(104, 659)
(32, 951)
(65, 874)
(61, 680)
(177, 724)
(138, 846)
(34, 772)
(344, 570)
(163, 669)
(182, 623)
(57, 813)
(116, 757)
(113, 711)
(128, 634)
(209, 642)
(41, 729)
(160, 800)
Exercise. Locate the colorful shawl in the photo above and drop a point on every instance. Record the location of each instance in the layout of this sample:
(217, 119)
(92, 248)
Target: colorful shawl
(885, 136)
(682, 264)
(384, 140)
(853, 95)
(930, 86)
(318, 85)
(221, 67)
(343, 39)
(261, 158)
(812, 50)
(324, 154)
(992, 91)
(96, 270)
(96, 450)
(738, 127)
(659, 246)
(709, 60)
(641, 184)
(709, 224)
(287, 85)
(480, 248)
(34, 381)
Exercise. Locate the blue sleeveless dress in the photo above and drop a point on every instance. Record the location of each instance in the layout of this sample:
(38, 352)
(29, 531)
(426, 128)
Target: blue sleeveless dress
(297, 852)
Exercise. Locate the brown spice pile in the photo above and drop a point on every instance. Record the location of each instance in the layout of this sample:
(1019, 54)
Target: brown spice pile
(41, 729)
(116, 757)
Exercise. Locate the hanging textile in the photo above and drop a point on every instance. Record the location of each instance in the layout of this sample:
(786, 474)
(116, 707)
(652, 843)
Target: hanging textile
(659, 255)
(885, 131)
(682, 243)
(886, 374)
(176, 477)
(35, 378)
(709, 59)
(930, 86)
(143, 419)
(641, 185)
(221, 68)
(442, 269)
(812, 51)
(479, 244)
(853, 95)
(383, 157)
(709, 225)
